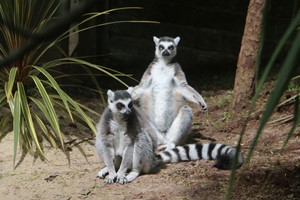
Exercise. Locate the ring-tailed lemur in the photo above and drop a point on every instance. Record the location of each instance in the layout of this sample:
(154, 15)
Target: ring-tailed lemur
(162, 94)
(126, 140)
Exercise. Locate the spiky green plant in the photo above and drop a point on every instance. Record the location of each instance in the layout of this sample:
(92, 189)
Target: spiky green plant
(290, 62)
(29, 91)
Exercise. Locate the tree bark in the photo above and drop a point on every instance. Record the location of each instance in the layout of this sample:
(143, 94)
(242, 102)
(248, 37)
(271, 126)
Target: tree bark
(245, 73)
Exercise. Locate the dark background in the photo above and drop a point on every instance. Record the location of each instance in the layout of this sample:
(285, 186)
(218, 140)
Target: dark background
(210, 31)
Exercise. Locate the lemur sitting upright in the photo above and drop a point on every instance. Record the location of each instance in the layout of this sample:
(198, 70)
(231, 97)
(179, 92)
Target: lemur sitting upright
(162, 94)
(126, 140)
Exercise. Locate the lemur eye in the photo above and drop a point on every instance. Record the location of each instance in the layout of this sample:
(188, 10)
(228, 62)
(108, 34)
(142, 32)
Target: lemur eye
(119, 106)
(130, 105)
(160, 47)
(171, 47)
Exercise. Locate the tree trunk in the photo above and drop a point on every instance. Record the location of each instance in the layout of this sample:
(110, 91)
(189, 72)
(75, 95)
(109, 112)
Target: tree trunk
(245, 73)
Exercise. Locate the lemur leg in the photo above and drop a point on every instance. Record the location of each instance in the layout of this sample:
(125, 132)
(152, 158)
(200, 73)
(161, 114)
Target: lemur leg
(104, 172)
(142, 156)
(108, 160)
(125, 164)
(180, 128)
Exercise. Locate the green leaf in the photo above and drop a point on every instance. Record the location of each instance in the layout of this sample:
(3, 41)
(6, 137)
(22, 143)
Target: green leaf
(11, 81)
(47, 116)
(66, 99)
(82, 113)
(9, 87)
(16, 123)
(82, 62)
(53, 97)
(42, 108)
(55, 86)
(296, 121)
(28, 118)
(52, 117)
(78, 118)
(46, 132)
(2, 97)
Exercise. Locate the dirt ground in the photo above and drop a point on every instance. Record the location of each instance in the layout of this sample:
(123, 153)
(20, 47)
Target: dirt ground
(72, 175)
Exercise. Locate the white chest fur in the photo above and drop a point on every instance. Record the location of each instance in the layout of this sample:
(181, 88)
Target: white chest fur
(162, 74)
(121, 139)
(118, 127)
(162, 98)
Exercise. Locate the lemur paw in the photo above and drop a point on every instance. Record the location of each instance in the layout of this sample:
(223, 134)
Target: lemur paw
(111, 179)
(166, 147)
(102, 173)
(122, 180)
(204, 107)
(170, 146)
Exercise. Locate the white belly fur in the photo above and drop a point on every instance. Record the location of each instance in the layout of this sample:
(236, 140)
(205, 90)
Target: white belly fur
(162, 98)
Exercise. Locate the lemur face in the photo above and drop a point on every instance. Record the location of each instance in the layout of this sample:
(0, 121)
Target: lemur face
(120, 103)
(166, 47)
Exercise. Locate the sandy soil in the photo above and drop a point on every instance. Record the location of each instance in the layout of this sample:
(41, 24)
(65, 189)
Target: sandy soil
(72, 175)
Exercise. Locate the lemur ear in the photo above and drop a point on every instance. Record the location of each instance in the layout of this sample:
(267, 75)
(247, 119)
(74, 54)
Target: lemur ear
(129, 90)
(156, 40)
(110, 95)
(176, 40)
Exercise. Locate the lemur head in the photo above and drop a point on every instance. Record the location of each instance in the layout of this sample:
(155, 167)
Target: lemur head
(166, 47)
(120, 103)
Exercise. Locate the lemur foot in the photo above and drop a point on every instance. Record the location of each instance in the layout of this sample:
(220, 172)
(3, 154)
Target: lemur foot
(164, 147)
(122, 180)
(204, 107)
(102, 173)
(111, 178)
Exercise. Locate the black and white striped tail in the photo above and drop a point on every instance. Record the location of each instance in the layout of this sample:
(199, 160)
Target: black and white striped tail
(223, 154)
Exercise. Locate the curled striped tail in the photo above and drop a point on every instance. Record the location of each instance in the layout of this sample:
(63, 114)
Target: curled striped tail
(223, 154)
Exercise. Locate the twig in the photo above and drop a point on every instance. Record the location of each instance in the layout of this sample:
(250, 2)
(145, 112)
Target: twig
(282, 120)
(81, 141)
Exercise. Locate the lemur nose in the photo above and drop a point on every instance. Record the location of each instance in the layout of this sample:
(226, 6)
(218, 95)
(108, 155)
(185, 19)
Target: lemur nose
(165, 53)
(127, 113)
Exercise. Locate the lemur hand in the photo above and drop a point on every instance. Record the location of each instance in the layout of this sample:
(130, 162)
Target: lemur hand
(204, 107)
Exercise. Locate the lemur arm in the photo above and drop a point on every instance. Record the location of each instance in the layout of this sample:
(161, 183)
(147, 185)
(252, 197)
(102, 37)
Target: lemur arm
(146, 78)
(126, 164)
(145, 82)
(192, 95)
(106, 150)
(186, 90)
(104, 146)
